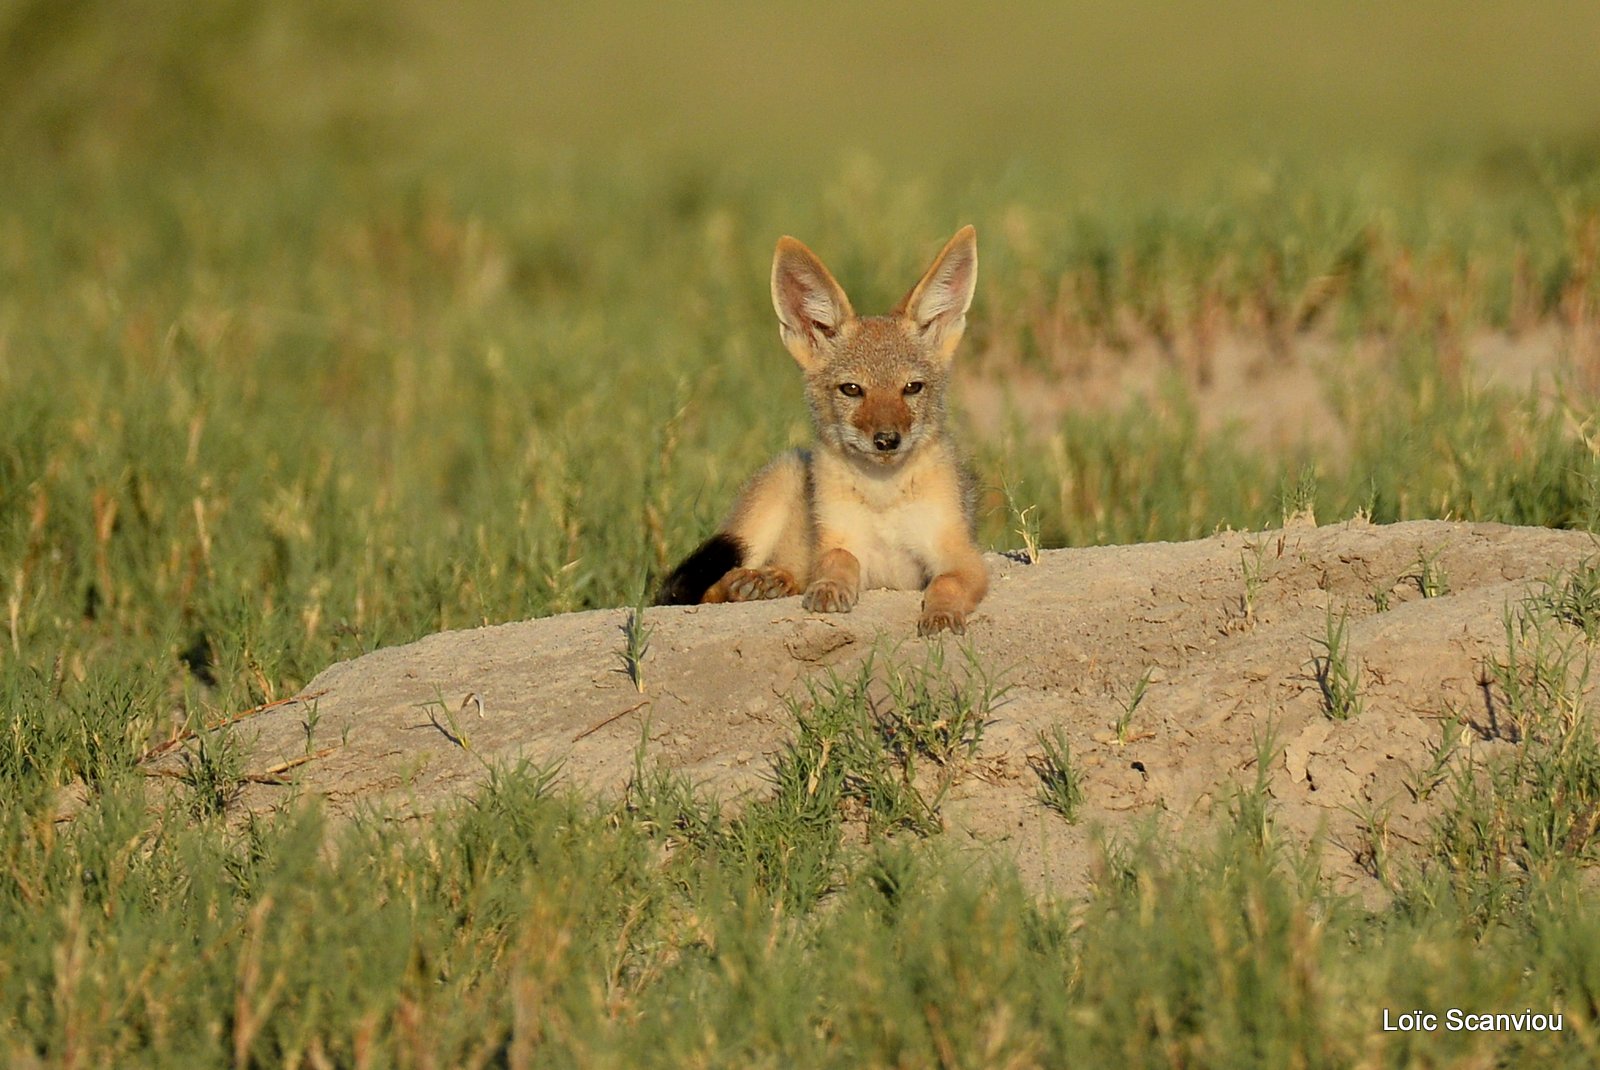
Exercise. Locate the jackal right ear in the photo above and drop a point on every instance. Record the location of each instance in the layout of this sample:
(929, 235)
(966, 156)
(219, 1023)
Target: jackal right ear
(811, 306)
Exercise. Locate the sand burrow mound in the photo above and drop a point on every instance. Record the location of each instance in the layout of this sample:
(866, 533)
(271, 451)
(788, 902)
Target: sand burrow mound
(1071, 635)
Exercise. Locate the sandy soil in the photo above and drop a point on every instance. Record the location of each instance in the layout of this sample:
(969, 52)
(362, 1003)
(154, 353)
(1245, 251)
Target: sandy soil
(1071, 634)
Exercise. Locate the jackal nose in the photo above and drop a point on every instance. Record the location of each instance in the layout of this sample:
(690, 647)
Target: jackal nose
(886, 441)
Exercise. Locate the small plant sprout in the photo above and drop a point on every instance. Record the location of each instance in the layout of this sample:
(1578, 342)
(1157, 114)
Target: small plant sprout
(1027, 525)
(450, 727)
(309, 723)
(1124, 725)
(1338, 672)
(1250, 565)
(213, 771)
(1430, 576)
(635, 644)
(1421, 783)
(1371, 848)
(1251, 807)
(1060, 782)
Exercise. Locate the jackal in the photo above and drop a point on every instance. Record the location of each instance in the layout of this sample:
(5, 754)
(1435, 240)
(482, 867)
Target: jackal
(884, 499)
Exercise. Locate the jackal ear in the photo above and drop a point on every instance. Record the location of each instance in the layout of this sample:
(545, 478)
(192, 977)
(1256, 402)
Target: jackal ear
(811, 306)
(938, 304)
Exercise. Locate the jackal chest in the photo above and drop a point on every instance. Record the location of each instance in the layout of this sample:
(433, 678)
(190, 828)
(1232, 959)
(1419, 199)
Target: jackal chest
(894, 544)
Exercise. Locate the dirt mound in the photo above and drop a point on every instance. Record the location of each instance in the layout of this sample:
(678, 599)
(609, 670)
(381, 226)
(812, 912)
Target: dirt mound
(1227, 629)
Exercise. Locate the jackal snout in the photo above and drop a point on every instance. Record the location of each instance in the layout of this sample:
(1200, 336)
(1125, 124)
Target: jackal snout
(884, 419)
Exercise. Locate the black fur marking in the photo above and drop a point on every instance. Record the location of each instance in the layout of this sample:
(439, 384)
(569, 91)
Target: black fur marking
(689, 582)
(809, 490)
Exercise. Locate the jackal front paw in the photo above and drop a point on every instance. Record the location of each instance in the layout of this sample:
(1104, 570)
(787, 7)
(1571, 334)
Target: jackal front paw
(934, 621)
(829, 596)
(755, 584)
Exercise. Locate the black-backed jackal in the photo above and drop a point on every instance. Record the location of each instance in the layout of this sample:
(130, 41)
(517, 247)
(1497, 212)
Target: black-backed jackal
(884, 499)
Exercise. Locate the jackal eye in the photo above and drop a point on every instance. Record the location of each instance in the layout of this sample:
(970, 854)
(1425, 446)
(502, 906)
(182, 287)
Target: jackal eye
(850, 390)
(913, 387)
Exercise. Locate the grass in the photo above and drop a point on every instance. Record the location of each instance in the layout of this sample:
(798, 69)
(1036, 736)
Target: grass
(1123, 727)
(1252, 561)
(1026, 525)
(1338, 672)
(1431, 579)
(282, 382)
(532, 926)
(447, 721)
(635, 645)
(1518, 815)
(1452, 731)
(1060, 781)
(213, 772)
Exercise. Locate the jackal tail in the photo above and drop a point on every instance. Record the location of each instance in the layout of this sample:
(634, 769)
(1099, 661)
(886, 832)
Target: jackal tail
(687, 584)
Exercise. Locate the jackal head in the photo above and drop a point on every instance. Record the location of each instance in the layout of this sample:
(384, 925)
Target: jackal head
(876, 384)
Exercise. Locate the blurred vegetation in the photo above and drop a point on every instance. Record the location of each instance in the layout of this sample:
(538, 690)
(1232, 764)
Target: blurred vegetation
(327, 325)
(114, 83)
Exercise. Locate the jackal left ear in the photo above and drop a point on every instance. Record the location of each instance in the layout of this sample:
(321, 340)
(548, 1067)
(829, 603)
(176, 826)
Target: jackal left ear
(938, 304)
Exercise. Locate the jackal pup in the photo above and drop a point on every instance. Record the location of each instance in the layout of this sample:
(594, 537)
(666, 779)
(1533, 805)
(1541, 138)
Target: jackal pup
(884, 500)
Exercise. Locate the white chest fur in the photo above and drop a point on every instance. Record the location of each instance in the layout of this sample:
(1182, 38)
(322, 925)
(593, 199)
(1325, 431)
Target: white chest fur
(894, 522)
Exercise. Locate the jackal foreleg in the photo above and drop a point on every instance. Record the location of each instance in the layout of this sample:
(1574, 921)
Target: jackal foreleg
(954, 592)
(835, 583)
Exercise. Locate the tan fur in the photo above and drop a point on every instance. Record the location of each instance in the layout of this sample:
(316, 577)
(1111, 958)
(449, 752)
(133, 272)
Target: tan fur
(884, 500)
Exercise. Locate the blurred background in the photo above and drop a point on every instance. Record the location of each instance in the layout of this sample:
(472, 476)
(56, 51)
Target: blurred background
(1156, 83)
(1156, 87)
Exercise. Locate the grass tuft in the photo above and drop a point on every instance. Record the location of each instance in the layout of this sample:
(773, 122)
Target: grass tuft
(1338, 672)
(1060, 780)
(636, 644)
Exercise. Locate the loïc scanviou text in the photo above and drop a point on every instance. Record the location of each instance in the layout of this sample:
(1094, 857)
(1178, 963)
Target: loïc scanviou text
(1456, 1020)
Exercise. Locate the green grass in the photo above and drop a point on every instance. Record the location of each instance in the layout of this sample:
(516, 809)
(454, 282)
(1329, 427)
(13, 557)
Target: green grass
(1337, 670)
(536, 928)
(287, 375)
(1518, 815)
(1060, 781)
